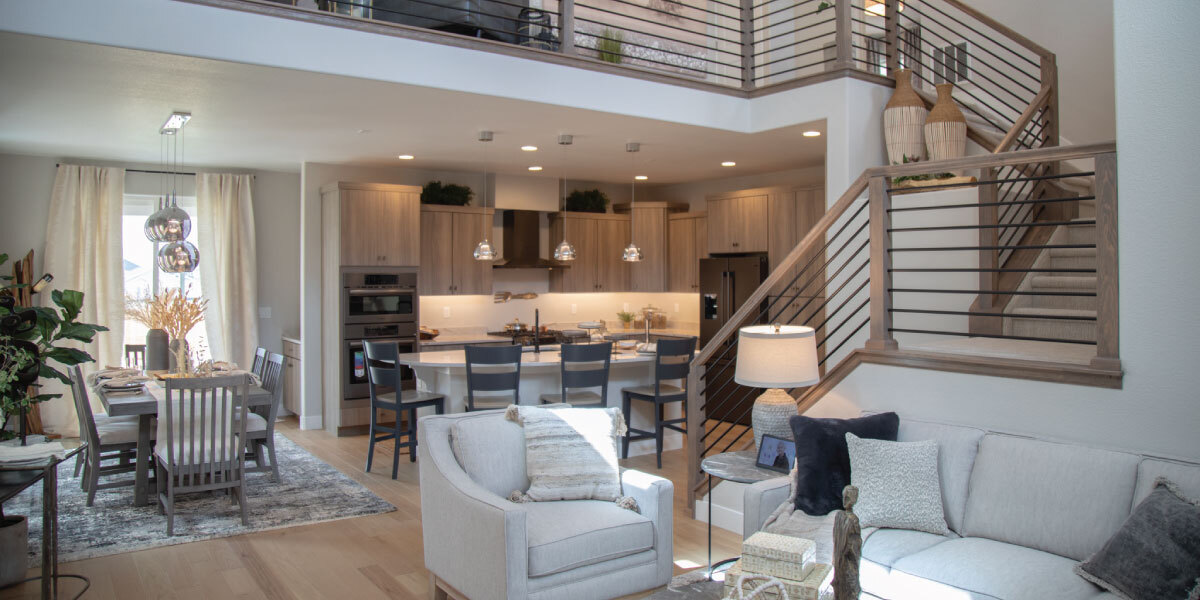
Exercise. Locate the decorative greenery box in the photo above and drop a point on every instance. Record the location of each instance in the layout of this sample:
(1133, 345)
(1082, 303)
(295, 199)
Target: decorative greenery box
(777, 555)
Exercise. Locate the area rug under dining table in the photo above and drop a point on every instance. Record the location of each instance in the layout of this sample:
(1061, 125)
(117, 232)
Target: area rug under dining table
(311, 491)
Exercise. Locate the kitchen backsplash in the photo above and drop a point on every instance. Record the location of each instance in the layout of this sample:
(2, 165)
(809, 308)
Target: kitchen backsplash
(483, 311)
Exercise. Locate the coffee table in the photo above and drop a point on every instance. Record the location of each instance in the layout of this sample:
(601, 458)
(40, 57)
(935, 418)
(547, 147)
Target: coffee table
(738, 467)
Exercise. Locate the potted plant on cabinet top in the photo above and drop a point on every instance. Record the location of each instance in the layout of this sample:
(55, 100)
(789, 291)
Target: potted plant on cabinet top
(448, 194)
(592, 200)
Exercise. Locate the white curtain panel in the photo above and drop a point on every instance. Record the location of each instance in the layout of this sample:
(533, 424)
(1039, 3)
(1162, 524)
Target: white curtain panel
(228, 272)
(83, 252)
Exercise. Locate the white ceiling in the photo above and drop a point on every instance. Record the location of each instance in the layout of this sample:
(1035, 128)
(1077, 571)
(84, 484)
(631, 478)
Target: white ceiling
(62, 98)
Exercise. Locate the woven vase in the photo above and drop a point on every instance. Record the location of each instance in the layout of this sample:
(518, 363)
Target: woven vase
(903, 120)
(946, 128)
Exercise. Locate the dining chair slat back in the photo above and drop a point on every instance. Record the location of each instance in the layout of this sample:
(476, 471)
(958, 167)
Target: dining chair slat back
(201, 435)
(135, 356)
(493, 369)
(673, 359)
(260, 361)
(260, 432)
(118, 441)
(582, 369)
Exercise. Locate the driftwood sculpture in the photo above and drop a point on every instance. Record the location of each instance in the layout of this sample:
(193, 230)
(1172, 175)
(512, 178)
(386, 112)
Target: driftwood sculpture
(847, 548)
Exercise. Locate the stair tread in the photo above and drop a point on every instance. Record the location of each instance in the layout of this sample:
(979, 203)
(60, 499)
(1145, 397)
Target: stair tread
(1063, 281)
(1064, 312)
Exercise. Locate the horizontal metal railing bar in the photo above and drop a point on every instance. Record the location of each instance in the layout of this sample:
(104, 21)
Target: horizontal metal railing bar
(989, 92)
(952, 18)
(1036, 78)
(995, 336)
(431, 3)
(812, 296)
(736, 30)
(778, 23)
(796, 43)
(580, 33)
(987, 270)
(793, 5)
(996, 226)
(584, 7)
(785, 71)
(849, 336)
(675, 52)
(737, 17)
(789, 57)
(996, 247)
(798, 30)
(921, 76)
(972, 313)
(825, 282)
(990, 292)
(862, 22)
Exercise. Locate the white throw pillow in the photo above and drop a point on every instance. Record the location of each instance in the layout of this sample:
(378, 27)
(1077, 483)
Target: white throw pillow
(897, 483)
(570, 453)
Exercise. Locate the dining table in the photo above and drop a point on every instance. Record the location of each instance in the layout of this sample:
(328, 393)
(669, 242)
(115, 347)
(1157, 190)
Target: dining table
(144, 405)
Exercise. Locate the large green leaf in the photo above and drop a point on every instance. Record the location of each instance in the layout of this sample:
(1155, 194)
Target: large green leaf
(48, 372)
(44, 397)
(78, 331)
(68, 356)
(71, 302)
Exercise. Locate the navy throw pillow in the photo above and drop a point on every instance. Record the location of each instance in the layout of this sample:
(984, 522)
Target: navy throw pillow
(822, 460)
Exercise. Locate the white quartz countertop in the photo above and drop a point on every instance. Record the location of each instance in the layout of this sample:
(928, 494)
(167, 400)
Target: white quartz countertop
(458, 358)
(473, 337)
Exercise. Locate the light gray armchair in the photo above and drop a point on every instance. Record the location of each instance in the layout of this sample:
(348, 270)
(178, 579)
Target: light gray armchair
(479, 545)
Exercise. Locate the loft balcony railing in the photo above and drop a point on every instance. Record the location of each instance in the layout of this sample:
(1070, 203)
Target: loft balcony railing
(1006, 83)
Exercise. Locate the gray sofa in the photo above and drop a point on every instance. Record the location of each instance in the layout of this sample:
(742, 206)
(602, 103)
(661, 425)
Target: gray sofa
(483, 546)
(1022, 513)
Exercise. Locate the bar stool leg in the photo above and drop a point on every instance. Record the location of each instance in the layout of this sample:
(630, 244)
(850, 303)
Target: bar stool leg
(625, 406)
(412, 435)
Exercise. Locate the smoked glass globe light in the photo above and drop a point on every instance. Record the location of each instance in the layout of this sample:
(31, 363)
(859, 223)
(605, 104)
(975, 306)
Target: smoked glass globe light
(564, 252)
(632, 253)
(168, 224)
(178, 257)
(484, 250)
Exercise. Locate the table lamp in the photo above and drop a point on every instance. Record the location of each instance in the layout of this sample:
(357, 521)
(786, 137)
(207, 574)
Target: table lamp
(775, 357)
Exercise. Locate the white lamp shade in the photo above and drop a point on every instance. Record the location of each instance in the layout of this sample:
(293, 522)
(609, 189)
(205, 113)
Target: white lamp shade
(777, 358)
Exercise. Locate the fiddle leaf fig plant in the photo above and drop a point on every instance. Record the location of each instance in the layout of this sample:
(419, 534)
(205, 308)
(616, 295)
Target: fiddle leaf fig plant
(33, 345)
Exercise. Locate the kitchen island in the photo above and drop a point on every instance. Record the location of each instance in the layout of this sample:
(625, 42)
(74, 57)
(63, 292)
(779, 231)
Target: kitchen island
(445, 372)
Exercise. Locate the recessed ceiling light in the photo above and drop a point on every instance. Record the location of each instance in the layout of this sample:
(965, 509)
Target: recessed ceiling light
(529, 148)
(729, 163)
(640, 177)
(535, 168)
(812, 134)
(405, 157)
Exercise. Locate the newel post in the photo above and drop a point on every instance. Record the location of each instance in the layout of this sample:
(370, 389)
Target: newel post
(880, 201)
(843, 33)
(747, 12)
(695, 429)
(1108, 355)
(989, 259)
(892, 35)
(566, 26)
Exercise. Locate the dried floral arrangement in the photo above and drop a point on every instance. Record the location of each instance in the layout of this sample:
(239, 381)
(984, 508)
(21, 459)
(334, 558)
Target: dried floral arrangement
(171, 311)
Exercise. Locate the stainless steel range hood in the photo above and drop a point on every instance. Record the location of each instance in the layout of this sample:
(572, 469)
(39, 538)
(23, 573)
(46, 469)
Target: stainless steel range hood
(522, 242)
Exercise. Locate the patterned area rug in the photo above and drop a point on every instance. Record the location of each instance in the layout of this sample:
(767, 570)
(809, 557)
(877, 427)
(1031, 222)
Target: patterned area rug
(311, 491)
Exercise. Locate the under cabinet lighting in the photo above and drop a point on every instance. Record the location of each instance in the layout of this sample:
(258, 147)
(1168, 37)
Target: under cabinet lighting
(535, 168)
(640, 177)
(812, 134)
(405, 157)
(529, 148)
(729, 163)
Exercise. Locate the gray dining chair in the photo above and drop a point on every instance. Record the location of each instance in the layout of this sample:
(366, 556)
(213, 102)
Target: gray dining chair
(492, 369)
(135, 356)
(385, 377)
(108, 439)
(201, 436)
(672, 361)
(260, 420)
(260, 362)
(583, 368)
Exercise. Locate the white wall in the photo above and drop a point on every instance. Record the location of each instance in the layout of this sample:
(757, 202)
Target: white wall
(1156, 411)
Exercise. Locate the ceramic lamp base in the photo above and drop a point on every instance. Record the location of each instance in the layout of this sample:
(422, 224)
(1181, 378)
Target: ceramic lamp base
(770, 415)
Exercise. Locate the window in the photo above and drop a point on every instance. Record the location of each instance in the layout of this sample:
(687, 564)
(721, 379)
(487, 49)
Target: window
(142, 276)
(950, 63)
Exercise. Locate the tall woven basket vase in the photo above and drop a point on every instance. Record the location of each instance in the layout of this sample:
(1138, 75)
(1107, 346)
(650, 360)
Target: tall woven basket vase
(946, 128)
(903, 121)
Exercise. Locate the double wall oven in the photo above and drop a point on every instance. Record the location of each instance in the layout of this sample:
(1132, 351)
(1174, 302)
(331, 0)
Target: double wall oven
(378, 304)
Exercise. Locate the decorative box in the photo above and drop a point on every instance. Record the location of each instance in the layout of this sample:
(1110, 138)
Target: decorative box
(817, 586)
(777, 555)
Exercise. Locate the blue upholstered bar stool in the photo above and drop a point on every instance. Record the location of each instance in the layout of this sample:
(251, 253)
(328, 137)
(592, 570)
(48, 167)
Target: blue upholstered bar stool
(493, 369)
(384, 377)
(672, 361)
(584, 367)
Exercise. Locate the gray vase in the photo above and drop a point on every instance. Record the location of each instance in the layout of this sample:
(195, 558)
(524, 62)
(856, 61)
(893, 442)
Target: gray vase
(14, 547)
(158, 354)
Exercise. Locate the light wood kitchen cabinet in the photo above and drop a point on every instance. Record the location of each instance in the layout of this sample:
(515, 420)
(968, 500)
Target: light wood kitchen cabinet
(448, 265)
(648, 222)
(291, 376)
(737, 222)
(379, 224)
(793, 212)
(688, 240)
(598, 239)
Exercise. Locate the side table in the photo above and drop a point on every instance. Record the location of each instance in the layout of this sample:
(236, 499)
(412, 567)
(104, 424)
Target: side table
(738, 467)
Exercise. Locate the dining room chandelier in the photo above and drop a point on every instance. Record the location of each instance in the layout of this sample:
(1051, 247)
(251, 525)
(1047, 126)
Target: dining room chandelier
(632, 252)
(484, 250)
(171, 225)
(564, 251)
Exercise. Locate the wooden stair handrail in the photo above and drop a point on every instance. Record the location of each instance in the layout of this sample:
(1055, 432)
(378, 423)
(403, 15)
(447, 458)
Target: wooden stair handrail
(1006, 159)
(1039, 101)
(815, 236)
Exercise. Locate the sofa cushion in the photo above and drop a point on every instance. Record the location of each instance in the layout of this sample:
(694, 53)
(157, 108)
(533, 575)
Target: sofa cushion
(1185, 476)
(886, 546)
(572, 533)
(822, 461)
(957, 447)
(898, 484)
(492, 452)
(984, 569)
(1060, 498)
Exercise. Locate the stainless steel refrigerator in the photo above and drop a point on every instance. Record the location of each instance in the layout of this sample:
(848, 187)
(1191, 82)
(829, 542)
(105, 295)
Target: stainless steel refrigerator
(726, 282)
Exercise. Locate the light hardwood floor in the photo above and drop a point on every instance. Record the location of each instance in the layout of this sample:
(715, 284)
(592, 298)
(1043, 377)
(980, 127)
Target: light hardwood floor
(378, 556)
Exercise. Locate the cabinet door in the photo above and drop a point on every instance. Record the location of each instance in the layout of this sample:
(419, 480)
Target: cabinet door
(612, 272)
(810, 207)
(471, 276)
(781, 236)
(581, 275)
(361, 228)
(650, 230)
(720, 225)
(751, 224)
(291, 384)
(435, 276)
(400, 240)
(684, 263)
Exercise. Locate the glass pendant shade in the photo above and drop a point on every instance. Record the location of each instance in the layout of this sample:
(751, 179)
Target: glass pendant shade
(168, 224)
(632, 253)
(178, 257)
(485, 250)
(564, 252)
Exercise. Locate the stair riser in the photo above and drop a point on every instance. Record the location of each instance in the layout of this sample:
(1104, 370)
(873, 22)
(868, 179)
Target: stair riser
(1071, 302)
(1073, 262)
(1081, 234)
(1047, 328)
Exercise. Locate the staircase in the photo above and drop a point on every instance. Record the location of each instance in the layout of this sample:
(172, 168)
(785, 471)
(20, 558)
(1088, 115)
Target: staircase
(1071, 271)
